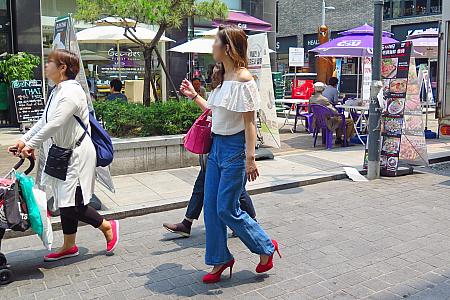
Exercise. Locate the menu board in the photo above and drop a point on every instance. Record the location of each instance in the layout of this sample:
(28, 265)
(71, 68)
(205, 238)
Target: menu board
(402, 128)
(29, 100)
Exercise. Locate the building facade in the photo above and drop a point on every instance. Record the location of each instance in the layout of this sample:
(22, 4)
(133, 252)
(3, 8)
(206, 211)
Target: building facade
(298, 20)
(264, 10)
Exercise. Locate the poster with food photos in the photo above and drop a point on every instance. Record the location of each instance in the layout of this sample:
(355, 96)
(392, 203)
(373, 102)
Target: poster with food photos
(402, 126)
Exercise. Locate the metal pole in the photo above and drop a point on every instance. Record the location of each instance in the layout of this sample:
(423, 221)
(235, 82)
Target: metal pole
(323, 12)
(190, 38)
(426, 92)
(119, 60)
(373, 167)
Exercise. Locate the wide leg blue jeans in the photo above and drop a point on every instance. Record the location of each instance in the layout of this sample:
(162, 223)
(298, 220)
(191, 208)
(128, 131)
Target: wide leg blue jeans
(225, 179)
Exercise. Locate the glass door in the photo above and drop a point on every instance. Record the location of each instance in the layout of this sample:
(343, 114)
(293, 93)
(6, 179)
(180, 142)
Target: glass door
(5, 46)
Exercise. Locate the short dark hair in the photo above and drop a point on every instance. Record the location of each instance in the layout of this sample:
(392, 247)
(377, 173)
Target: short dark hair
(116, 84)
(69, 59)
(196, 78)
(333, 81)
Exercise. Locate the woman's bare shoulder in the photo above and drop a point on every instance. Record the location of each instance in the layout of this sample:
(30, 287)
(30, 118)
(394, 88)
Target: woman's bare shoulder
(244, 75)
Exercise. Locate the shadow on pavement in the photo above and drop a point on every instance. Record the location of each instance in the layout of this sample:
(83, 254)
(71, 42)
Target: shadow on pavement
(173, 279)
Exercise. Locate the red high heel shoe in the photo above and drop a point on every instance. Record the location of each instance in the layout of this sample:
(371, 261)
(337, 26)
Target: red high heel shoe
(213, 278)
(269, 265)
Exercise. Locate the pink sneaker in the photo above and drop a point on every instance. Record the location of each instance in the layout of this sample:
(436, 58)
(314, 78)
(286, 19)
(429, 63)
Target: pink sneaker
(110, 246)
(66, 254)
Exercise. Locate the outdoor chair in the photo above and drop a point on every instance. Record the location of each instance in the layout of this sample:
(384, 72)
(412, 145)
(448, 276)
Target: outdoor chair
(321, 115)
(307, 116)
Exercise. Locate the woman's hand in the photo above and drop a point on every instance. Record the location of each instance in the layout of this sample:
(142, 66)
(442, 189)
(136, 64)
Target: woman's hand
(187, 89)
(27, 152)
(251, 170)
(16, 149)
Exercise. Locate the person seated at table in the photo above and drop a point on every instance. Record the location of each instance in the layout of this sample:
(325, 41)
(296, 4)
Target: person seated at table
(334, 122)
(331, 92)
(116, 91)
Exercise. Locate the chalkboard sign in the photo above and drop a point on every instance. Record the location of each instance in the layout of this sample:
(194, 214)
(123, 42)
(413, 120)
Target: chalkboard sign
(29, 100)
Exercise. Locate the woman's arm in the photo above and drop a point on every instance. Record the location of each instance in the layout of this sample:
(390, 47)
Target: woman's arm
(30, 133)
(64, 110)
(250, 142)
(188, 90)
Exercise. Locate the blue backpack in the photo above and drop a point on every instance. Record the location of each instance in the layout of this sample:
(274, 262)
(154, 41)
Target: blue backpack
(101, 140)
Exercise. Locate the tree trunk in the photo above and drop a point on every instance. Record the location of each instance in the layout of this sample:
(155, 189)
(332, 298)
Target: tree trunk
(147, 75)
(152, 75)
(163, 65)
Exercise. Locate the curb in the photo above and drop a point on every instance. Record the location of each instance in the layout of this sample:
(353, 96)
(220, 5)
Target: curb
(140, 211)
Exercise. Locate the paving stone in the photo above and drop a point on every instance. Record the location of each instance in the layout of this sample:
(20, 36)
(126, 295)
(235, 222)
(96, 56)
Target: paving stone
(49, 293)
(138, 293)
(376, 284)
(31, 288)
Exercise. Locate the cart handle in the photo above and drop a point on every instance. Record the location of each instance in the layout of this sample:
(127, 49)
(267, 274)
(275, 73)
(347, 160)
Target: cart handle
(22, 160)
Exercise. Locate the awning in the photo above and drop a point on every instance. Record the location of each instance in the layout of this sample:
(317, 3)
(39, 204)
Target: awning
(244, 21)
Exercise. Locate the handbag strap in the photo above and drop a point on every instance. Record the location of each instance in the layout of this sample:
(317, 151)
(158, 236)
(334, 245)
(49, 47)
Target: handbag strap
(204, 115)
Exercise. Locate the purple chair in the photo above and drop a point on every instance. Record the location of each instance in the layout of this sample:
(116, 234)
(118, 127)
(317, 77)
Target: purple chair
(321, 115)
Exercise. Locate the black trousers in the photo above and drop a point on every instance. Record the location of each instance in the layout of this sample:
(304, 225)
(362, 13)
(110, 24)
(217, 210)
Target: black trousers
(195, 205)
(84, 213)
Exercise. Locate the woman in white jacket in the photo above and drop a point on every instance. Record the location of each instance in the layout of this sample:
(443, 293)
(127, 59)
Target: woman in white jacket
(72, 190)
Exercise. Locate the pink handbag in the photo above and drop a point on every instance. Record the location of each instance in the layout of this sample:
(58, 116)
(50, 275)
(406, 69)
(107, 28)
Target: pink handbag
(198, 139)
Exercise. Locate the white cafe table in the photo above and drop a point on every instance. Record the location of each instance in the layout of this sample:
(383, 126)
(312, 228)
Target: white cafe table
(361, 122)
(299, 103)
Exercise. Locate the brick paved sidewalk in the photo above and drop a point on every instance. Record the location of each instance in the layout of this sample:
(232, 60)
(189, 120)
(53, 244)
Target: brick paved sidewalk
(387, 239)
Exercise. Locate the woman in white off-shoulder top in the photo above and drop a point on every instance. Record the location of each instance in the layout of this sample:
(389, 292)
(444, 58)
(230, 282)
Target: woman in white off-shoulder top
(231, 161)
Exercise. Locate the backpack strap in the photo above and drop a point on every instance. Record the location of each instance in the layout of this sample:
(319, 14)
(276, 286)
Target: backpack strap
(85, 130)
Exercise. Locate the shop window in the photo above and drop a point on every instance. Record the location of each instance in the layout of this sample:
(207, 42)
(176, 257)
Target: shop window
(396, 8)
(408, 8)
(436, 6)
(387, 10)
(421, 7)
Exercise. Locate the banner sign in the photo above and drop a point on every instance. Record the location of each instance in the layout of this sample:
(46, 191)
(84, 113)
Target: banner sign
(367, 78)
(402, 128)
(29, 100)
(259, 67)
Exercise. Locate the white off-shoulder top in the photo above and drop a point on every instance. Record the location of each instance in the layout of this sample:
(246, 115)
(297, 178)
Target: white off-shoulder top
(229, 101)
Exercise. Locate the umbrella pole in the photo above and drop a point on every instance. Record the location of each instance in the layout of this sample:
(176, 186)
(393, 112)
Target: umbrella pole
(119, 60)
(357, 79)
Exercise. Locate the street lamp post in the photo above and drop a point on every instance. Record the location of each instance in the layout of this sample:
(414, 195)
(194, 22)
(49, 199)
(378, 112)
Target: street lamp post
(324, 8)
(373, 166)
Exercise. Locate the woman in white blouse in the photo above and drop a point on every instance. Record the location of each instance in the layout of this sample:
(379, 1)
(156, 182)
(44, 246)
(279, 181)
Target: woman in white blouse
(59, 127)
(231, 161)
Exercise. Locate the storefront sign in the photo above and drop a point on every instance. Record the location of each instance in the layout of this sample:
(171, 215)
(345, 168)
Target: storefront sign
(259, 66)
(296, 57)
(29, 100)
(402, 31)
(284, 43)
(402, 128)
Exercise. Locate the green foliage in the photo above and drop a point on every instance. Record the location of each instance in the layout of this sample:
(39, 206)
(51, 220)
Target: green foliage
(19, 66)
(166, 13)
(123, 119)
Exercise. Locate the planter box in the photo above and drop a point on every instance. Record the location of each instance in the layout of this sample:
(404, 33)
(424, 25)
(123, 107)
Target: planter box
(137, 155)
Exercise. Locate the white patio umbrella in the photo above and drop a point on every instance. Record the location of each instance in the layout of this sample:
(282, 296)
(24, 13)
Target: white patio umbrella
(199, 45)
(111, 34)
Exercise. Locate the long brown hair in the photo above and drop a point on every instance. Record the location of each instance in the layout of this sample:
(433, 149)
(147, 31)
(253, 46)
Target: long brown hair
(236, 39)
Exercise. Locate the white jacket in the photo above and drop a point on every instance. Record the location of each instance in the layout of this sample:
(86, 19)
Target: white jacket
(59, 126)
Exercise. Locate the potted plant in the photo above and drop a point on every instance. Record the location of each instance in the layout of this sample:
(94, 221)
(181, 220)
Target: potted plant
(18, 66)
